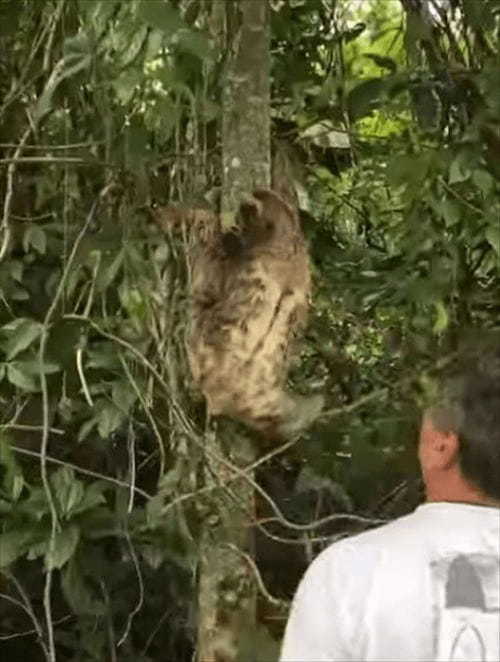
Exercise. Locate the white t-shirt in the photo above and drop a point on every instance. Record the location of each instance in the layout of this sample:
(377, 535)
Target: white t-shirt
(423, 587)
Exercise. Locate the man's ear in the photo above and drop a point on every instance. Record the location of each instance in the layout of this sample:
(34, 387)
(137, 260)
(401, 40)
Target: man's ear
(446, 447)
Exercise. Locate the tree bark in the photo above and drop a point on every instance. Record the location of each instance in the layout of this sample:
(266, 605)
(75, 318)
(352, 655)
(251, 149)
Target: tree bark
(227, 593)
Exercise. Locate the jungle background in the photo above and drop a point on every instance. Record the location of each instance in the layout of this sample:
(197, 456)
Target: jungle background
(387, 113)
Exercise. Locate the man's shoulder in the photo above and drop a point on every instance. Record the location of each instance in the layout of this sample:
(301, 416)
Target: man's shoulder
(401, 532)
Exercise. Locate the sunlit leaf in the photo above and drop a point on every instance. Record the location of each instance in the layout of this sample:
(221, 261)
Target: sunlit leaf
(21, 379)
(63, 547)
(442, 319)
(21, 333)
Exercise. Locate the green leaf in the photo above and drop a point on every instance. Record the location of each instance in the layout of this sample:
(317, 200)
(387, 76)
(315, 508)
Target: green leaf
(13, 481)
(109, 419)
(365, 98)
(13, 545)
(32, 367)
(21, 333)
(195, 43)
(123, 395)
(68, 490)
(442, 319)
(86, 429)
(93, 497)
(76, 592)
(383, 61)
(108, 274)
(36, 237)
(409, 169)
(20, 379)
(451, 212)
(483, 180)
(160, 15)
(65, 544)
(492, 235)
(459, 171)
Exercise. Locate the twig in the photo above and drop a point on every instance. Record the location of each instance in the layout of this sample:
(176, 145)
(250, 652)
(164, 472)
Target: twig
(27, 607)
(83, 471)
(345, 409)
(258, 577)
(81, 375)
(148, 413)
(27, 633)
(55, 160)
(140, 600)
(132, 465)
(7, 203)
(47, 602)
(53, 147)
(29, 428)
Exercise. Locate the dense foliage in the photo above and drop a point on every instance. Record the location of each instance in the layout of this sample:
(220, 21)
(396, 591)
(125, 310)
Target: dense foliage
(389, 115)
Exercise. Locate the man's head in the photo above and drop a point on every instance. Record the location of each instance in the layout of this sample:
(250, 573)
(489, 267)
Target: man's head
(459, 447)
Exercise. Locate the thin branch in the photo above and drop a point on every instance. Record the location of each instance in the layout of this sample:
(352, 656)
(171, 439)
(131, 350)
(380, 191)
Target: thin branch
(27, 607)
(55, 160)
(29, 428)
(7, 203)
(53, 147)
(47, 601)
(83, 471)
(27, 633)
(147, 411)
(140, 600)
(284, 604)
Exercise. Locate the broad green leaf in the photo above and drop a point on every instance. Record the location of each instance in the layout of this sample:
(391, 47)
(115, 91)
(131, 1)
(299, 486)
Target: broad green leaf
(16, 269)
(68, 490)
(21, 333)
(65, 544)
(76, 592)
(36, 237)
(483, 180)
(194, 43)
(124, 396)
(20, 379)
(13, 545)
(94, 496)
(408, 169)
(161, 16)
(365, 97)
(37, 550)
(451, 211)
(109, 273)
(109, 419)
(492, 234)
(33, 367)
(459, 172)
(86, 429)
(103, 355)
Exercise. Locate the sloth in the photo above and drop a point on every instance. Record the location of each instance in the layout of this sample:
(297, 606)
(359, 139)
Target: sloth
(249, 298)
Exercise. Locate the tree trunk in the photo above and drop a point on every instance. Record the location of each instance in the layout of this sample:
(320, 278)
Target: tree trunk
(227, 594)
